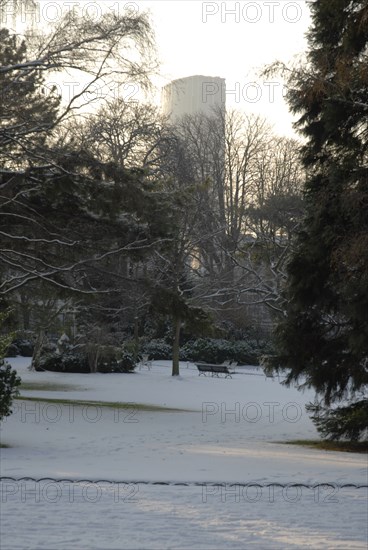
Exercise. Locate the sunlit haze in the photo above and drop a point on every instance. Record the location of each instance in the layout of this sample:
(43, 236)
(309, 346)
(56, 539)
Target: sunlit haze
(231, 40)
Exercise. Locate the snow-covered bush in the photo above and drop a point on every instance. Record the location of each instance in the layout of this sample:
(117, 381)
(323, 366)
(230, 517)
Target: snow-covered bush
(206, 349)
(128, 361)
(157, 349)
(247, 352)
(212, 350)
(26, 347)
(20, 347)
(49, 347)
(110, 359)
(118, 360)
(9, 382)
(12, 350)
(69, 362)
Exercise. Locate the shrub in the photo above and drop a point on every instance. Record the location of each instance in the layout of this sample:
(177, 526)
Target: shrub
(111, 359)
(12, 350)
(157, 349)
(207, 350)
(106, 357)
(20, 347)
(247, 352)
(9, 382)
(127, 361)
(119, 361)
(25, 347)
(210, 350)
(68, 362)
(217, 351)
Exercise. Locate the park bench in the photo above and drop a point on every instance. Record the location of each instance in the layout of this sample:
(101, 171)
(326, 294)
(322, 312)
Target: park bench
(215, 370)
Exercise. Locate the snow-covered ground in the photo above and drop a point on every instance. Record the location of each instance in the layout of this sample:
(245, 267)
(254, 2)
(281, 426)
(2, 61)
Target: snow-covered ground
(232, 483)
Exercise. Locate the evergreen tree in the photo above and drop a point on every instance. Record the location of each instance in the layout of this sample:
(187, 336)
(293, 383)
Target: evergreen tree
(324, 336)
(9, 381)
(62, 210)
(27, 114)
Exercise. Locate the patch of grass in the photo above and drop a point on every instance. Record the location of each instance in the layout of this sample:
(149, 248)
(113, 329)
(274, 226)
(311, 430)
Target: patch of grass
(325, 445)
(48, 386)
(108, 404)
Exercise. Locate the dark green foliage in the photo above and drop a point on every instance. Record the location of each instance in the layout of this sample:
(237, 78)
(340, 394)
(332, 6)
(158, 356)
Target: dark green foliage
(25, 347)
(209, 350)
(157, 349)
(323, 339)
(75, 221)
(217, 351)
(68, 362)
(9, 382)
(20, 347)
(111, 359)
(348, 422)
(126, 362)
(131, 348)
(116, 360)
(62, 208)
(27, 114)
(12, 350)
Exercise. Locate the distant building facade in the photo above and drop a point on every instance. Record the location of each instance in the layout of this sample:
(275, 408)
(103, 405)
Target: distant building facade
(193, 95)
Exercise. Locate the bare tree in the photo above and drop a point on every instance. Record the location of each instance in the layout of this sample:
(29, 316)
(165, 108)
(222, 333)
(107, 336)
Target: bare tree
(274, 215)
(248, 189)
(127, 133)
(50, 196)
(92, 52)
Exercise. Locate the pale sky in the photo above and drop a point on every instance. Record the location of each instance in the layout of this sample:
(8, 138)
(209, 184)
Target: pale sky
(232, 40)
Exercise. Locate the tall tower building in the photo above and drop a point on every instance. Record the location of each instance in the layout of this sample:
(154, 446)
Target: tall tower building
(193, 95)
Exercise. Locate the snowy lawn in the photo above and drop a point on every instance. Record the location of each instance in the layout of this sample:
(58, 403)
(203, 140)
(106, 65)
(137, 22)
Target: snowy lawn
(221, 437)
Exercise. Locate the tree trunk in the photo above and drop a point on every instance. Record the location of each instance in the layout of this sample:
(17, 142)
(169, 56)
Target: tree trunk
(25, 311)
(93, 353)
(136, 337)
(96, 356)
(41, 337)
(176, 347)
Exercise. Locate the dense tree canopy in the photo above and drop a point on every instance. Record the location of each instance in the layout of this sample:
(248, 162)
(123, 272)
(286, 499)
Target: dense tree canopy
(84, 221)
(63, 209)
(324, 337)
